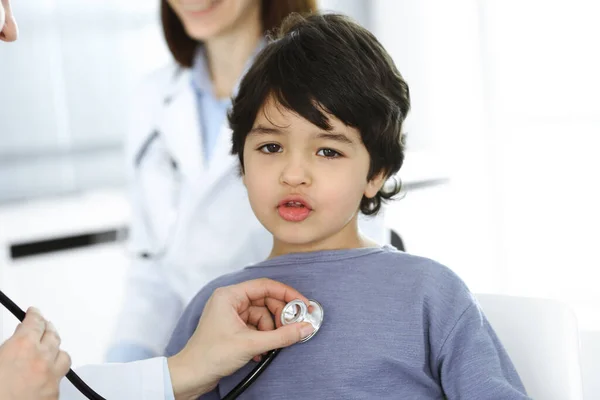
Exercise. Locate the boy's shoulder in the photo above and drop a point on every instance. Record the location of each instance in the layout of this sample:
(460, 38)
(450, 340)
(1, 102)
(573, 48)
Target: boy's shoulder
(419, 267)
(426, 279)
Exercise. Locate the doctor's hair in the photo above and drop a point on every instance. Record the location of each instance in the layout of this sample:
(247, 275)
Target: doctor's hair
(183, 47)
(328, 64)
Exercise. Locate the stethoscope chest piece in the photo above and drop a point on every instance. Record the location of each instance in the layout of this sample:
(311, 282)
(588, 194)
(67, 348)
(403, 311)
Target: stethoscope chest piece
(296, 311)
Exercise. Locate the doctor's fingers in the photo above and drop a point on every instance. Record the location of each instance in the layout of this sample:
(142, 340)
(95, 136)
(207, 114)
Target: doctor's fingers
(259, 317)
(62, 364)
(260, 342)
(50, 341)
(33, 325)
(257, 357)
(275, 307)
(258, 290)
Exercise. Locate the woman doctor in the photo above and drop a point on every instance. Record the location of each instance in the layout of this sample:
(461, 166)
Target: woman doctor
(192, 221)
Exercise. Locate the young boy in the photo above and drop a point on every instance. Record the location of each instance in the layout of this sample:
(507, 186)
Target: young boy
(317, 127)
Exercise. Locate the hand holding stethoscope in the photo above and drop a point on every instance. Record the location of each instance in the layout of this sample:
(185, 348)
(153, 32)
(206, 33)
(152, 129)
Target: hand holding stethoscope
(223, 332)
(230, 333)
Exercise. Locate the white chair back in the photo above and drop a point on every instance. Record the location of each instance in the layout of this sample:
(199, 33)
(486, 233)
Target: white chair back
(542, 339)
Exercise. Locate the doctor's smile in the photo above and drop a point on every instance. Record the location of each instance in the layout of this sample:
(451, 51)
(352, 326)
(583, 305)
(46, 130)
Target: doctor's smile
(199, 8)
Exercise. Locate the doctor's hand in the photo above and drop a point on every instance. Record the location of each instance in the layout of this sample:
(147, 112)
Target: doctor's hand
(236, 326)
(31, 362)
(8, 25)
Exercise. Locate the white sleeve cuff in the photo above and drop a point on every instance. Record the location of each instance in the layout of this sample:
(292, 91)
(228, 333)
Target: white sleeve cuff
(139, 380)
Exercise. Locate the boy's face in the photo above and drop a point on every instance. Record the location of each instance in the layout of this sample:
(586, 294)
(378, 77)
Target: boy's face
(305, 184)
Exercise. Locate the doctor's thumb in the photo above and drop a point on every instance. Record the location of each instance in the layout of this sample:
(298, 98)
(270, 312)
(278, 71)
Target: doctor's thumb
(284, 336)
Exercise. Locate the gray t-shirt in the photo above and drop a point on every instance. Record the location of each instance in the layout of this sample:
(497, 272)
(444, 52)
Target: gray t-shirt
(396, 326)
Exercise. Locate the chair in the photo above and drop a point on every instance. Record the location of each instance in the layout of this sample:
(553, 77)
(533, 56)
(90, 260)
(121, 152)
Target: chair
(396, 240)
(542, 339)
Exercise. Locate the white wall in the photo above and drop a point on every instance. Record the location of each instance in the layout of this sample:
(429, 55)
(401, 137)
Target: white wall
(63, 111)
(436, 47)
(360, 10)
(542, 85)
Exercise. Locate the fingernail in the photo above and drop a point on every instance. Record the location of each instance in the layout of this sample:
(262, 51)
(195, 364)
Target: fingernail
(306, 330)
(34, 310)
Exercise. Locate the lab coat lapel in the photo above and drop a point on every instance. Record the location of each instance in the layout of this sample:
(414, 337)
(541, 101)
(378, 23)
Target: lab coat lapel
(182, 132)
(221, 161)
(181, 129)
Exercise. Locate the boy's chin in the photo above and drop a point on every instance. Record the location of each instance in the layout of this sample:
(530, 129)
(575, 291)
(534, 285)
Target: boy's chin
(294, 238)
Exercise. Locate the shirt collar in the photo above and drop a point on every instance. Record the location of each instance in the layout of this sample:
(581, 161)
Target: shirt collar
(201, 77)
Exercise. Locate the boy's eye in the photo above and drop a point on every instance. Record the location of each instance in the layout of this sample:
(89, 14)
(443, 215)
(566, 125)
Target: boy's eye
(270, 148)
(329, 153)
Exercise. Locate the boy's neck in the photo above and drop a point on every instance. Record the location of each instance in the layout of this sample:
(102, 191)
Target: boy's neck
(342, 240)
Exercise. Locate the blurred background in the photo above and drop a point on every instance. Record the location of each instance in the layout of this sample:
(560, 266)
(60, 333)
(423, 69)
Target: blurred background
(505, 113)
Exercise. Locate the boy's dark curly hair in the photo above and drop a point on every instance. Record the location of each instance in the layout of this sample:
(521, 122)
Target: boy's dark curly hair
(327, 63)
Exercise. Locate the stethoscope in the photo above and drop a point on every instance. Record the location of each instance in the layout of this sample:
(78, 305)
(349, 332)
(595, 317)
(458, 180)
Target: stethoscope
(155, 138)
(294, 311)
(161, 242)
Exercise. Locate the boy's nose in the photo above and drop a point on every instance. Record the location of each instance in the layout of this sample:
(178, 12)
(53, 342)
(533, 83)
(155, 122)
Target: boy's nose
(295, 174)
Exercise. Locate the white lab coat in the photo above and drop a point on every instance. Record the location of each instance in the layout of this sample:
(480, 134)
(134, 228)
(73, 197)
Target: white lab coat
(216, 231)
(140, 380)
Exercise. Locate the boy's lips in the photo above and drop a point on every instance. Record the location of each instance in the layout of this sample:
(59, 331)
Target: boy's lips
(294, 209)
(294, 200)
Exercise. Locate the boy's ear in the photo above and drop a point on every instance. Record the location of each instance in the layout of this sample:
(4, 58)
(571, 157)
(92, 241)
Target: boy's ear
(375, 185)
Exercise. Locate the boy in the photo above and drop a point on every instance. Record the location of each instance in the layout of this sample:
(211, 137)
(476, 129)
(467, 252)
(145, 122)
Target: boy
(317, 127)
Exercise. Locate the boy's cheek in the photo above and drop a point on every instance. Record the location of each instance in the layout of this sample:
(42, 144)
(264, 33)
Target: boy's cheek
(340, 199)
(260, 190)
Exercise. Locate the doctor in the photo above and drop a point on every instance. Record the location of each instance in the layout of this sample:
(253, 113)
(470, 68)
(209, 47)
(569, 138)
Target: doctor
(192, 221)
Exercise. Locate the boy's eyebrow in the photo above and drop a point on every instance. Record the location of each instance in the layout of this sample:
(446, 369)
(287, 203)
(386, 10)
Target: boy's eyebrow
(260, 129)
(337, 137)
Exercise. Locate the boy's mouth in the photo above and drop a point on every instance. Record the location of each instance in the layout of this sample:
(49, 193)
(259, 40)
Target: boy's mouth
(294, 209)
